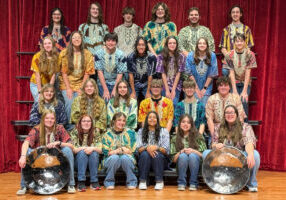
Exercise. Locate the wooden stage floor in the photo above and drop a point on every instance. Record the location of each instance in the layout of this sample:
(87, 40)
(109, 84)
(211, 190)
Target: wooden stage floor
(272, 185)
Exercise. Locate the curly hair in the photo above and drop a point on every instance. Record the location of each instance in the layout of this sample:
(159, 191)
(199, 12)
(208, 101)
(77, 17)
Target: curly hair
(53, 101)
(117, 95)
(100, 17)
(167, 13)
(95, 97)
(41, 126)
(47, 66)
(235, 132)
(81, 133)
(197, 52)
(192, 136)
(145, 131)
(70, 54)
(167, 57)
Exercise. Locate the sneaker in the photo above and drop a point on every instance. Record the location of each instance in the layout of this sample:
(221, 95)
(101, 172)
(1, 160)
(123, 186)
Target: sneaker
(81, 186)
(159, 185)
(142, 185)
(181, 187)
(131, 187)
(252, 189)
(95, 186)
(111, 187)
(22, 191)
(71, 189)
(193, 188)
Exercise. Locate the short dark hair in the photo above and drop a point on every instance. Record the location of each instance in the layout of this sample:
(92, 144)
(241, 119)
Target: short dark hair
(239, 36)
(240, 9)
(128, 10)
(223, 80)
(194, 8)
(111, 36)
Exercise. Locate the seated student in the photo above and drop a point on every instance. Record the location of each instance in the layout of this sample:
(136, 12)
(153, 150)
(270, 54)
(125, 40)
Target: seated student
(122, 102)
(49, 101)
(232, 132)
(141, 66)
(118, 146)
(153, 144)
(87, 147)
(171, 63)
(217, 103)
(161, 105)
(76, 65)
(191, 106)
(90, 103)
(186, 148)
(57, 30)
(49, 134)
(44, 66)
(201, 65)
(239, 63)
(110, 64)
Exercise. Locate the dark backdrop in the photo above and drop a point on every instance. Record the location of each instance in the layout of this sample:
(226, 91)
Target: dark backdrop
(22, 21)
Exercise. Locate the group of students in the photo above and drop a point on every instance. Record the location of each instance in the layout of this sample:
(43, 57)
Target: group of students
(90, 82)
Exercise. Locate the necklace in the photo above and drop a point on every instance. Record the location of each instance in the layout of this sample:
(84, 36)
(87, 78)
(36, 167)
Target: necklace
(201, 67)
(141, 66)
(159, 107)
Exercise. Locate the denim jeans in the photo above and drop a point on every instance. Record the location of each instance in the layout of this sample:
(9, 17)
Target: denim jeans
(141, 91)
(253, 172)
(82, 160)
(113, 163)
(100, 89)
(193, 162)
(177, 97)
(239, 87)
(158, 164)
(68, 104)
(225, 72)
(68, 154)
(34, 91)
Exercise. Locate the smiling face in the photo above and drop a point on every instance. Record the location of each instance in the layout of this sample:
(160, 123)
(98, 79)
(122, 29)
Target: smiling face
(230, 115)
(110, 44)
(152, 120)
(156, 90)
(160, 12)
(128, 18)
(236, 14)
(94, 11)
(76, 40)
(48, 94)
(189, 91)
(194, 17)
(86, 123)
(48, 45)
(49, 120)
(239, 44)
(56, 16)
(185, 124)
(202, 45)
(141, 47)
(89, 88)
(122, 89)
(172, 45)
(223, 89)
(119, 123)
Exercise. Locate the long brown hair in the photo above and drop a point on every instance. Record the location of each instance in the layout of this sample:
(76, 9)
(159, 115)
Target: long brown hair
(41, 126)
(197, 54)
(70, 54)
(167, 13)
(53, 101)
(81, 133)
(100, 18)
(48, 66)
(115, 117)
(235, 132)
(167, 57)
(84, 100)
(192, 137)
(117, 95)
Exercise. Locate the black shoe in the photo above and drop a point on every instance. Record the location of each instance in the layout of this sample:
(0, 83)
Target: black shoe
(81, 186)
(95, 186)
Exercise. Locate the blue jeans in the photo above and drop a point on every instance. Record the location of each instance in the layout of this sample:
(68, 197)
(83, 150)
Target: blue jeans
(113, 163)
(34, 91)
(68, 104)
(177, 97)
(100, 89)
(193, 162)
(141, 91)
(68, 154)
(239, 87)
(82, 160)
(225, 72)
(158, 164)
(253, 172)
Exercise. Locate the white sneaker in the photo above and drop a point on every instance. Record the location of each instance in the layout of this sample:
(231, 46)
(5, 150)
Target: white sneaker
(71, 189)
(131, 187)
(142, 185)
(159, 185)
(22, 191)
(252, 189)
(181, 187)
(193, 188)
(111, 187)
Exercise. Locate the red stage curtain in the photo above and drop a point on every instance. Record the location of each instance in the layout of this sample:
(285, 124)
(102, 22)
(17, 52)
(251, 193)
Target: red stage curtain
(22, 21)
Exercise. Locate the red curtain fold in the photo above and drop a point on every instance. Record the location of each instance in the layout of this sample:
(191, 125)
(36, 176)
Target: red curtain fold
(22, 21)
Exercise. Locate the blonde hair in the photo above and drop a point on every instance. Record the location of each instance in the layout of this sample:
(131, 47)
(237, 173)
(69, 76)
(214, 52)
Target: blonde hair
(54, 100)
(41, 126)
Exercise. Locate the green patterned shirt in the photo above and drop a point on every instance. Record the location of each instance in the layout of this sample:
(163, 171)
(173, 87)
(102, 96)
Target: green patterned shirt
(75, 140)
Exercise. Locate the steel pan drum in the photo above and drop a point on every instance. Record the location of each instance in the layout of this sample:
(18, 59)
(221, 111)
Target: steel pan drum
(225, 170)
(47, 170)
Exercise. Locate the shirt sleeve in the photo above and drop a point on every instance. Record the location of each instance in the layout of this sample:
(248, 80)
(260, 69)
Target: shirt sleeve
(189, 63)
(210, 109)
(248, 135)
(132, 115)
(35, 63)
(146, 32)
(64, 136)
(160, 66)
(122, 65)
(102, 121)
(182, 63)
(152, 63)
(164, 141)
(75, 110)
(61, 114)
(32, 137)
(89, 62)
(210, 39)
(249, 38)
(98, 61)
(139, 139)
(223, 40)
(143, 111)
(182, 39)
(213, 70)
(35, 116)
(179, 110)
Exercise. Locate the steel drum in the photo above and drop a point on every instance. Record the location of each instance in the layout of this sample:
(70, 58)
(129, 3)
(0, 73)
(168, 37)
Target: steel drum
(47, 170)
(225, 170)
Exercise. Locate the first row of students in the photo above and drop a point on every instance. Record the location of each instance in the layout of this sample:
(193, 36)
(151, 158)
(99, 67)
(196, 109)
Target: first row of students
(124, 55)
